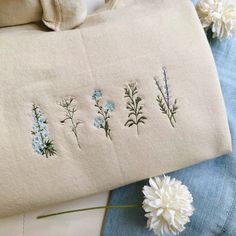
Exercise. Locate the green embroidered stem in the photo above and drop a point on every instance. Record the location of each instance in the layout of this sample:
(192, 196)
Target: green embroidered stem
(135, 116)
(89, 209)
(105, 116)
(70, 107)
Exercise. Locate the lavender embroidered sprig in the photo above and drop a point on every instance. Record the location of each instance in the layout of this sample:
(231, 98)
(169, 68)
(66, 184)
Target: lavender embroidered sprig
(102, 121)
(41, 143)
(134, 106)
(164, 98)
(70, 106)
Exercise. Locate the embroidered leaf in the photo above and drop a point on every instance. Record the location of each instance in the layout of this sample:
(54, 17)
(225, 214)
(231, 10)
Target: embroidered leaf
(164, 99)
(134, 106)
(130, 121)
(41, 143)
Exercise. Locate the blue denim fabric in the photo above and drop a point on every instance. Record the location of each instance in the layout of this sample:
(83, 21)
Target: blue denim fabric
(212, 183)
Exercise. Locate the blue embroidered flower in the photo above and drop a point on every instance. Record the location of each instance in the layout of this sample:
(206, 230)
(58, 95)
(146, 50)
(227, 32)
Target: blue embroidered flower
(109, 106)
(37, 149)
(99, 122)
(102, 121)
(41, 143)
(97, 93)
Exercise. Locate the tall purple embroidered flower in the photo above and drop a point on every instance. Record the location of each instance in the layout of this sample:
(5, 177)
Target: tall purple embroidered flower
(164, 98)
(166, 87)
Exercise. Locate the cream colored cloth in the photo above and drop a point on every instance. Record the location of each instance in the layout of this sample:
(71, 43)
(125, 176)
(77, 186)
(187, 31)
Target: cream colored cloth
(43, 71)
(56, 14)
(17, 12)
(62, 15)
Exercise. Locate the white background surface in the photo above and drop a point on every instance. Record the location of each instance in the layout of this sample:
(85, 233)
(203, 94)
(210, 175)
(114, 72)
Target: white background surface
(77, 224)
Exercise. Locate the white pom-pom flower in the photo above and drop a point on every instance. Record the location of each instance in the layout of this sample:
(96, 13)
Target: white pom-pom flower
(219, 16)
(168, 205)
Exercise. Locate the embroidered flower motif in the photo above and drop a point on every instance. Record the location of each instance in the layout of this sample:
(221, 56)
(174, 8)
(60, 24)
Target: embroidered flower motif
(109, 106)
(134, 106)
(164, 99)
(96, 94)
(70, 106)
(102, 121)
(41, 143)
(99, 122)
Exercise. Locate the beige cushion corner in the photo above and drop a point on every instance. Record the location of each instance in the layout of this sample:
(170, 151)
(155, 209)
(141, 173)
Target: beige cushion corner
(63, 15)
(17, 12)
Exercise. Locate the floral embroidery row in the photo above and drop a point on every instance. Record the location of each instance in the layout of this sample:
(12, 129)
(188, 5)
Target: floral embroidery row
(42, 145)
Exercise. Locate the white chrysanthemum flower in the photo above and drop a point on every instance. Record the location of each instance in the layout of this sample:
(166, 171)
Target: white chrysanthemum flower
(168, 204)
(219, 16)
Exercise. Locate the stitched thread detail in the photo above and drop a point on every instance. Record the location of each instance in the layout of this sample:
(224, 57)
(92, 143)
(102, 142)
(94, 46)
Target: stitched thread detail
(135, 116)
(69, 104)
(41, 143)
(164, 98)
(102, 121)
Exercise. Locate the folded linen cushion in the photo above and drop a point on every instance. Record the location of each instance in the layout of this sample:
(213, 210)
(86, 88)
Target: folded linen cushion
(98, 107)
(56, 14)
(17, 12)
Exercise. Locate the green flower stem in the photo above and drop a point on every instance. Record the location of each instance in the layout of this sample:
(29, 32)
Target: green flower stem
(170, 119)
(105, 117)
(89, 209)
(163, 96)
(135, 116)
(170, 116)
(74, 126)
(134, 108)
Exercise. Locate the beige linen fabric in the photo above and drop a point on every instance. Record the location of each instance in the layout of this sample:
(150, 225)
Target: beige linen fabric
(62, 15)
(56, 14)
(111, 49)
(17, 12)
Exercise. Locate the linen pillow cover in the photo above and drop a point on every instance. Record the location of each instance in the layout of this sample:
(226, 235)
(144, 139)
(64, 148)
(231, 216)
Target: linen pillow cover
(56, 14)
(17, 12)
(125, 97)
